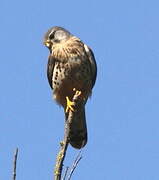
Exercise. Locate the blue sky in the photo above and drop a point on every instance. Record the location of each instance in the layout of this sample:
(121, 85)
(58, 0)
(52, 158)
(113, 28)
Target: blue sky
(123, 113)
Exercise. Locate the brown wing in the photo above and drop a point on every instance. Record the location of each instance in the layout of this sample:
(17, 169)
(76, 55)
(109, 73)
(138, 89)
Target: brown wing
(93, 64)
(50, 68)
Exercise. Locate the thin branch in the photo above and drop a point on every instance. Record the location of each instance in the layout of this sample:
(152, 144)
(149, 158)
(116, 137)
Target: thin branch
(66, 171)
(15, 164)
(75, 163)
(64, 144)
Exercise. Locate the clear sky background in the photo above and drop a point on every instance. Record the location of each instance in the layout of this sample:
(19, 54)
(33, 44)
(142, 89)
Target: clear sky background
(123, 113)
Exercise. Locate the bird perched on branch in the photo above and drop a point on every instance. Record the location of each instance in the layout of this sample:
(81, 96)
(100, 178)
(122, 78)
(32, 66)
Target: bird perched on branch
(71, 67)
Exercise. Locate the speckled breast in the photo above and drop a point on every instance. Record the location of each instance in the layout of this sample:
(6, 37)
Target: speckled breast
(70, 74)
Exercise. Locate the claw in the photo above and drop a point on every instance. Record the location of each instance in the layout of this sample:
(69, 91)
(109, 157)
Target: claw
(69, 105)
(78, 93)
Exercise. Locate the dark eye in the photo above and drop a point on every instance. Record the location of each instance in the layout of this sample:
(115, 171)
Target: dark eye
(51, 35)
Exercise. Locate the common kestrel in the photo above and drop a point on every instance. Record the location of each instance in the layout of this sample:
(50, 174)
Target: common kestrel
(71, 66)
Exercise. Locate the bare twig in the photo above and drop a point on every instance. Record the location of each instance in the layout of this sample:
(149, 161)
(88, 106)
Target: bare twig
(75, 163)
(66, 171)
(15, 164)
(65, 142)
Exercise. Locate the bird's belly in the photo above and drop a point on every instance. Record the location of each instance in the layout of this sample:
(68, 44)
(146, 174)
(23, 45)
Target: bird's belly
(66, 79)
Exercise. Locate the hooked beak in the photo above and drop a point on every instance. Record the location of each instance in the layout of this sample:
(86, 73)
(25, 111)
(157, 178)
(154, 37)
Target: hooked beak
(48, 43)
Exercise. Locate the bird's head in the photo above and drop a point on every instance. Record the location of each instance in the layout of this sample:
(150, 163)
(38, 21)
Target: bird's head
(56, 35)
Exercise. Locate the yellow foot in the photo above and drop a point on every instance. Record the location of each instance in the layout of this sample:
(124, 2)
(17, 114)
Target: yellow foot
(69, 105)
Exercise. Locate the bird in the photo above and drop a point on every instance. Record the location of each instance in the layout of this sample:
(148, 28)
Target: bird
(71, 67)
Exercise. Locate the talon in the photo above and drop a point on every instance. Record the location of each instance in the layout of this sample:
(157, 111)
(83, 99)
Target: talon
(69, 105)
(78, 93)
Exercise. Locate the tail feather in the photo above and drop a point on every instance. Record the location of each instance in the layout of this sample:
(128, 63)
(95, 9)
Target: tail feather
(78, 129)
